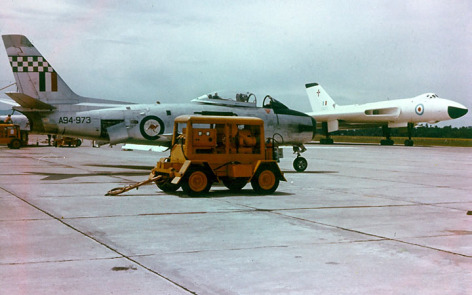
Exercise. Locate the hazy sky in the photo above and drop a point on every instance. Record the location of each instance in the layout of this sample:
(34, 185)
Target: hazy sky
(173, 51)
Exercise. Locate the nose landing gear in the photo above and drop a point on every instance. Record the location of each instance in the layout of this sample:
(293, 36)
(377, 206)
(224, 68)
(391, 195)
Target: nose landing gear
(300, 163)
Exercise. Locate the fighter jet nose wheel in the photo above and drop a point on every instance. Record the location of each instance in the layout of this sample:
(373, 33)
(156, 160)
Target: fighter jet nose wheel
(300, 164)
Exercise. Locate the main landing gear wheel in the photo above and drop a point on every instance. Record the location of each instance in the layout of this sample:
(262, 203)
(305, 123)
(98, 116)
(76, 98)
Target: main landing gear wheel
(408, 142)
(197, 183)
(300, 164)
(326, 141)
(386, 142)
(265, 181)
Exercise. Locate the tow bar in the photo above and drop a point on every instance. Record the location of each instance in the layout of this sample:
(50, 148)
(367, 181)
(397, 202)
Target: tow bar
(119, 190)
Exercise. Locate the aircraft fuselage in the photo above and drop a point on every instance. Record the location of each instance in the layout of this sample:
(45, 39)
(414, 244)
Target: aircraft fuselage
(149, 124)
(396, 113)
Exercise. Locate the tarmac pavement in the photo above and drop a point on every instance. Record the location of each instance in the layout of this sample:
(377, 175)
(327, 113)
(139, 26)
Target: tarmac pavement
(363, 219)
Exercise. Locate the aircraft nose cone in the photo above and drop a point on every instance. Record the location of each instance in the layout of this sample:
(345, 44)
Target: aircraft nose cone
(455, 112)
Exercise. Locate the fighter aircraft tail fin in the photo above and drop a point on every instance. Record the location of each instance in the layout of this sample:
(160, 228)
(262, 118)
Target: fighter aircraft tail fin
(319, 99)
(34, 75)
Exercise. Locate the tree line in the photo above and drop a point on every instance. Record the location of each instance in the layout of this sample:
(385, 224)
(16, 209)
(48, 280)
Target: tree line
(420, 131)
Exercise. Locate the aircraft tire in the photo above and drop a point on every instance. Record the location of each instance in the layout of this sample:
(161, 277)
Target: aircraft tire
(197, 182)
(326, 141)
(409, 142)
(300, 164)
(265, 181)
(386, 142)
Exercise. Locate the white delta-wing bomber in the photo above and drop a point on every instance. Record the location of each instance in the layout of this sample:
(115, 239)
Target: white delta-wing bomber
(53, 108)
(407, 112)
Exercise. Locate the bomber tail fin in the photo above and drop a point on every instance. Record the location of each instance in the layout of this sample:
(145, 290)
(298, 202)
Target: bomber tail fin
(34, 76)
(319, 99)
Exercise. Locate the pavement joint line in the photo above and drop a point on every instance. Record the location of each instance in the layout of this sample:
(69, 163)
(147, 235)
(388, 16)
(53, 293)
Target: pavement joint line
(396, 182)
(101, 243)
(63, 260)
(377, 236)
(361, 232)
(261, 247)
(25, 219)
(249, 210)
(415, 203)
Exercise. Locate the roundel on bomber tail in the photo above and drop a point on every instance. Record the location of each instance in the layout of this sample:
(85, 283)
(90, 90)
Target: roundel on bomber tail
(419, 109)
(151, 127)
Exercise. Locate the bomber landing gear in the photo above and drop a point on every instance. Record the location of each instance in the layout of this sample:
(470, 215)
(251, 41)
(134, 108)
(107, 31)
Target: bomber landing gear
(387, 141)
(386, 133)
(328, 139)
(299, 164)
(409, 142)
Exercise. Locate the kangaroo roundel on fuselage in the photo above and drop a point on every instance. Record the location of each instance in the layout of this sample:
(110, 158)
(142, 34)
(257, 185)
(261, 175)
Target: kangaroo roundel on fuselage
(151, 127)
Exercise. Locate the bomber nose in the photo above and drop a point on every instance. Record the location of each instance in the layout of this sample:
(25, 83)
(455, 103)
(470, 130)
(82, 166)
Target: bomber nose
(455, 112)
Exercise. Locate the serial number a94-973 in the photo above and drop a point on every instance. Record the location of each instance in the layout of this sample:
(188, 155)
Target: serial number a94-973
(75, 120)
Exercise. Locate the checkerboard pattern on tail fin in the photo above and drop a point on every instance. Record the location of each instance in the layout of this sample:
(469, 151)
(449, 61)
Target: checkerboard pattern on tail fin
(34, 75)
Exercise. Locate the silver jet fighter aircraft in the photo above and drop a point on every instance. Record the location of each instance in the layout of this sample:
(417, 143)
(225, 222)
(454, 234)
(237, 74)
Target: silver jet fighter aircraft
(53, 108)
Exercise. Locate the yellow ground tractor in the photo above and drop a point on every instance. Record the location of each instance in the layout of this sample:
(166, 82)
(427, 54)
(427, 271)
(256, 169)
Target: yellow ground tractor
(67, 141)
(208, 149)
(10, 135)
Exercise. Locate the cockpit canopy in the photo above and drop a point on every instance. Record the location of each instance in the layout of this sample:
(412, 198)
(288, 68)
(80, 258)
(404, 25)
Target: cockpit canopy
(228, 98)
(431, 95)
(239, 99)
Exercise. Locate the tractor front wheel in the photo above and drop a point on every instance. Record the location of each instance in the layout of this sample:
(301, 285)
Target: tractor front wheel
(197, 182)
